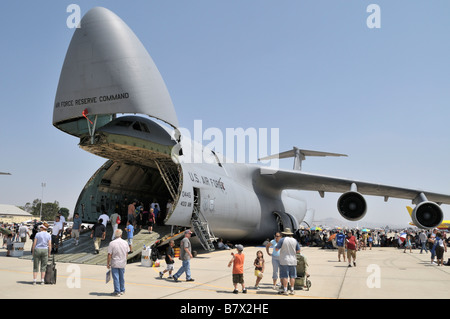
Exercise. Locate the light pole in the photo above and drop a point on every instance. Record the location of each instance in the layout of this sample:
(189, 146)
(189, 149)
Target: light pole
(42, 198)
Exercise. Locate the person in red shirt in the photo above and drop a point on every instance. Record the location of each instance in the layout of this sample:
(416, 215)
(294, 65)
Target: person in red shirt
(351, 244)
(238, 269)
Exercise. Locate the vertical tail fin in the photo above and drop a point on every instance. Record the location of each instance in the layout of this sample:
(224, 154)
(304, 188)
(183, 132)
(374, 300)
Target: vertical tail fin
(410, 210)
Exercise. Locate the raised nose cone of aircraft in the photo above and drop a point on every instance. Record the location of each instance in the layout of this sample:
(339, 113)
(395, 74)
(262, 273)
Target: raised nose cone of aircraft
(107, 71)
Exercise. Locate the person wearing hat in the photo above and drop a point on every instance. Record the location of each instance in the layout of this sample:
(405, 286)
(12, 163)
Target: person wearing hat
(41, 250)
(185, 257)
(238, 268)
(288, 248)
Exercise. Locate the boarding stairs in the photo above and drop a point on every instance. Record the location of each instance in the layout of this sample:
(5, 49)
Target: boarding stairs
(202, 230)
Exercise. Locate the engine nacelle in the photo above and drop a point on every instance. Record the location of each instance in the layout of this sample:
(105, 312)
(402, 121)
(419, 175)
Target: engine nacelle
(352, 206)
(427, 215)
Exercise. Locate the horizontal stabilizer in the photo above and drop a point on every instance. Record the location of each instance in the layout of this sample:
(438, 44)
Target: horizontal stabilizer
(300, 155)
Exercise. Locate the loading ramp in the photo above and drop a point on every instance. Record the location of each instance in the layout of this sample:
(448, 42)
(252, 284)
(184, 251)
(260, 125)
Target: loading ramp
(84, 252)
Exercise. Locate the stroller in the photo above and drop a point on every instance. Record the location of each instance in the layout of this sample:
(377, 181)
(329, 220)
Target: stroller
(302, 279)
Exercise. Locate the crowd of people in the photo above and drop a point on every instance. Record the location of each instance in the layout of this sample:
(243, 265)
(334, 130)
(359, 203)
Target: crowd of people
(137, 218)
(283, 248)
(367, 238)
(436, 241)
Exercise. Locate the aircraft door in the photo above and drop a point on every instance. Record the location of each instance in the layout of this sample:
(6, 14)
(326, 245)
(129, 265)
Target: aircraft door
(184, 206)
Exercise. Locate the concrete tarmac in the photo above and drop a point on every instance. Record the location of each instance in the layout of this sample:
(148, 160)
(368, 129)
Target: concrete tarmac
(380, 273)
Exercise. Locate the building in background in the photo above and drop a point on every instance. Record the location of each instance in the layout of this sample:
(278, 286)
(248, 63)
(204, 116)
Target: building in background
(13, 214)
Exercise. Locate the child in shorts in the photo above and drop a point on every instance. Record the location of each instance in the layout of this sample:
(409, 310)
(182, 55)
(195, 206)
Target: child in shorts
(238, 269)
(259, 267)
(130, 231)
(170, 260)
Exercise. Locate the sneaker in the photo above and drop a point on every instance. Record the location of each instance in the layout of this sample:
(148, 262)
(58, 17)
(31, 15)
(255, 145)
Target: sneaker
(115, 294)
(349, 265)
(34, 283)
(274, 287)
(175, 279)
(284, 292)
(291, 292)
(257, 287)
(235, 291)
(161, 274)
(244, 291)
(354, 264)
(190, 279)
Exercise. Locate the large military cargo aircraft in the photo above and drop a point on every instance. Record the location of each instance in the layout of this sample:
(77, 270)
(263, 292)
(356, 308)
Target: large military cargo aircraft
(107, 72)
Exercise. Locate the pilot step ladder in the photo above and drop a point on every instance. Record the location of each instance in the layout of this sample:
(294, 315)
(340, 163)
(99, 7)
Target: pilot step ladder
(201, 229)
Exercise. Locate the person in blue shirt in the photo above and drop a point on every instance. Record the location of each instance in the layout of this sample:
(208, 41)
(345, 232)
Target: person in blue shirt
(130, 231)
(275, 258)
(340, 243)
(76, 228)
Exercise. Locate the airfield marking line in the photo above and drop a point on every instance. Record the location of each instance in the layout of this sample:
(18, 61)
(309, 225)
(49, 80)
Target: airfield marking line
(342, 283)
(17, 271)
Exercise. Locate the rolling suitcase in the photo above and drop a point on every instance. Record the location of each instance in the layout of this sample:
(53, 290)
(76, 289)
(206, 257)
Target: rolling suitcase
(50, 273)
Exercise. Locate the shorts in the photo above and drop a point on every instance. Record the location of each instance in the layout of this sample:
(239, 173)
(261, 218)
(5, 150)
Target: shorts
(258, 273)
(287, 271)
(169, 267)
(439, 252)
(238, 278)
(351, 253)
(341, 250)
(75, 233)
(130, 241)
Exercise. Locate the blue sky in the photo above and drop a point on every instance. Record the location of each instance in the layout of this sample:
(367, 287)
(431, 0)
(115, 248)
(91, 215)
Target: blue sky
(313, 69)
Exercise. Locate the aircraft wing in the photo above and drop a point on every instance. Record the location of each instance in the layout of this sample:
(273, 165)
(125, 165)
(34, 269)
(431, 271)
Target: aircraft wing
(285, 179)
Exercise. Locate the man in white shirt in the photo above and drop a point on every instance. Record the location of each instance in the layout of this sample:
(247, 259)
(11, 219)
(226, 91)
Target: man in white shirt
(288, 248)
(62, 220)
(56, 231)
(105, 218)
(117, 260)
(23, 233)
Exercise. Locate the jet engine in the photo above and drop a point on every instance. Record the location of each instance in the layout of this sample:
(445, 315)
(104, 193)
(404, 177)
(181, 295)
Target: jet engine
(427, 215)
(352, 206)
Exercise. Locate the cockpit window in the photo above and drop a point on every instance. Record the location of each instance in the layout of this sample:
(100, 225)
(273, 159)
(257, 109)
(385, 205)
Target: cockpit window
(138, 126)
(124, 123)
